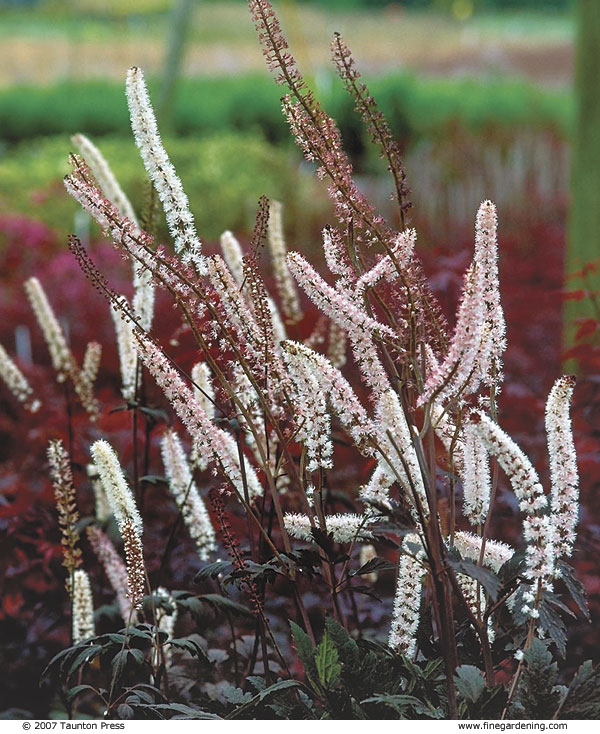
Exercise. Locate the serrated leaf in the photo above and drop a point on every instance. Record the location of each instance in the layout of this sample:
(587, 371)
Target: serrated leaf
(117, 638)
(236, 696)
(470, 682)
(223, 602)
(263, 696)
(574, 586)
(537, 696)
(489, 580)
(190, 646)
(213, 570)
(61, 656)
(583, 697)
(374, 565)
(188, 711)
(140, 632)
(119, 662)
(324, 540)
(552, 623)
(401, 702)
(303, 644)
(85, 655)
(346, 646)
(513, 568)
(327, 663)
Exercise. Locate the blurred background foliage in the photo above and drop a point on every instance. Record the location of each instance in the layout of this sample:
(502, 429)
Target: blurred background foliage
(443, 71)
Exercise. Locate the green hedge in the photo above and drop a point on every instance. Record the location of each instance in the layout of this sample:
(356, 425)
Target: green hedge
(223, 175)
(205, 106)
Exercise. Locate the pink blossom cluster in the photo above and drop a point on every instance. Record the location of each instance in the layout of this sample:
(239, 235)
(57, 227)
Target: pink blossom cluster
(211, 443)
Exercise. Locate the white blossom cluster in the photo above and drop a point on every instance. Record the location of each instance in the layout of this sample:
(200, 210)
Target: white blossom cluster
(102, 508)
(62, 359)
(290, 303)
(345, 527)
(476, 478)
(91, 362)
(165, 622)
(564, 497)
(186, 494)
(495, 555)
(398, 457)
(337, 389)
(162, 173)
(407, 602)
(538, 529)
(126, 349)
(83, 607)
(117, 490)
(126, 514)
(204, 393)
(233, 255)
(16, 382)
(313, 421)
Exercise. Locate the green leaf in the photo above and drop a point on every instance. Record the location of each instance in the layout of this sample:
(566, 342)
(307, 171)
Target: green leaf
(190, 646)
(537, 696)
(325, 541)
(236, 696)
(401, 702)
(85, 655)
(327, 663)
(222, 602)
(551, 621)
(119, 662)
(188, 712)
(574, 586)
(346, 646)
(303, 645)
(72, 693)
(117, 638)
(212, 570)
(154, 479)
(137, 655)
(470, 682)
(489, 580)
(583, 697)
(142, 632)
(263, 695)
(373, 565)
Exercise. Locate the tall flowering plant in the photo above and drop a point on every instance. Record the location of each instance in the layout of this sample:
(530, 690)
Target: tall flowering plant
(269, 411)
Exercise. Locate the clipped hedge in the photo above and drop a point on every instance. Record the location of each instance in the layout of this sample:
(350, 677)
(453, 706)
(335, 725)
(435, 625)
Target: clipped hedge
(205, 106)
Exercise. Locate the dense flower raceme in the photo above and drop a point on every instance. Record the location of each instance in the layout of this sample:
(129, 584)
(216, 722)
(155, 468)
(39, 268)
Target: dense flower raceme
(83, 606)
(16, 381)
(185, 492)
(126, 514)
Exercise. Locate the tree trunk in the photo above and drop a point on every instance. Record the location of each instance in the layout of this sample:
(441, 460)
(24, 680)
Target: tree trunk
(584, 220)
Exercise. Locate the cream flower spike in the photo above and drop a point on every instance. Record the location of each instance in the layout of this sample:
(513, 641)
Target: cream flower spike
(162, 172)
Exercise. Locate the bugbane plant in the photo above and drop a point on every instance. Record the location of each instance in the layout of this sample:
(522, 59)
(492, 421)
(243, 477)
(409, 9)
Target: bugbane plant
(272, 404)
